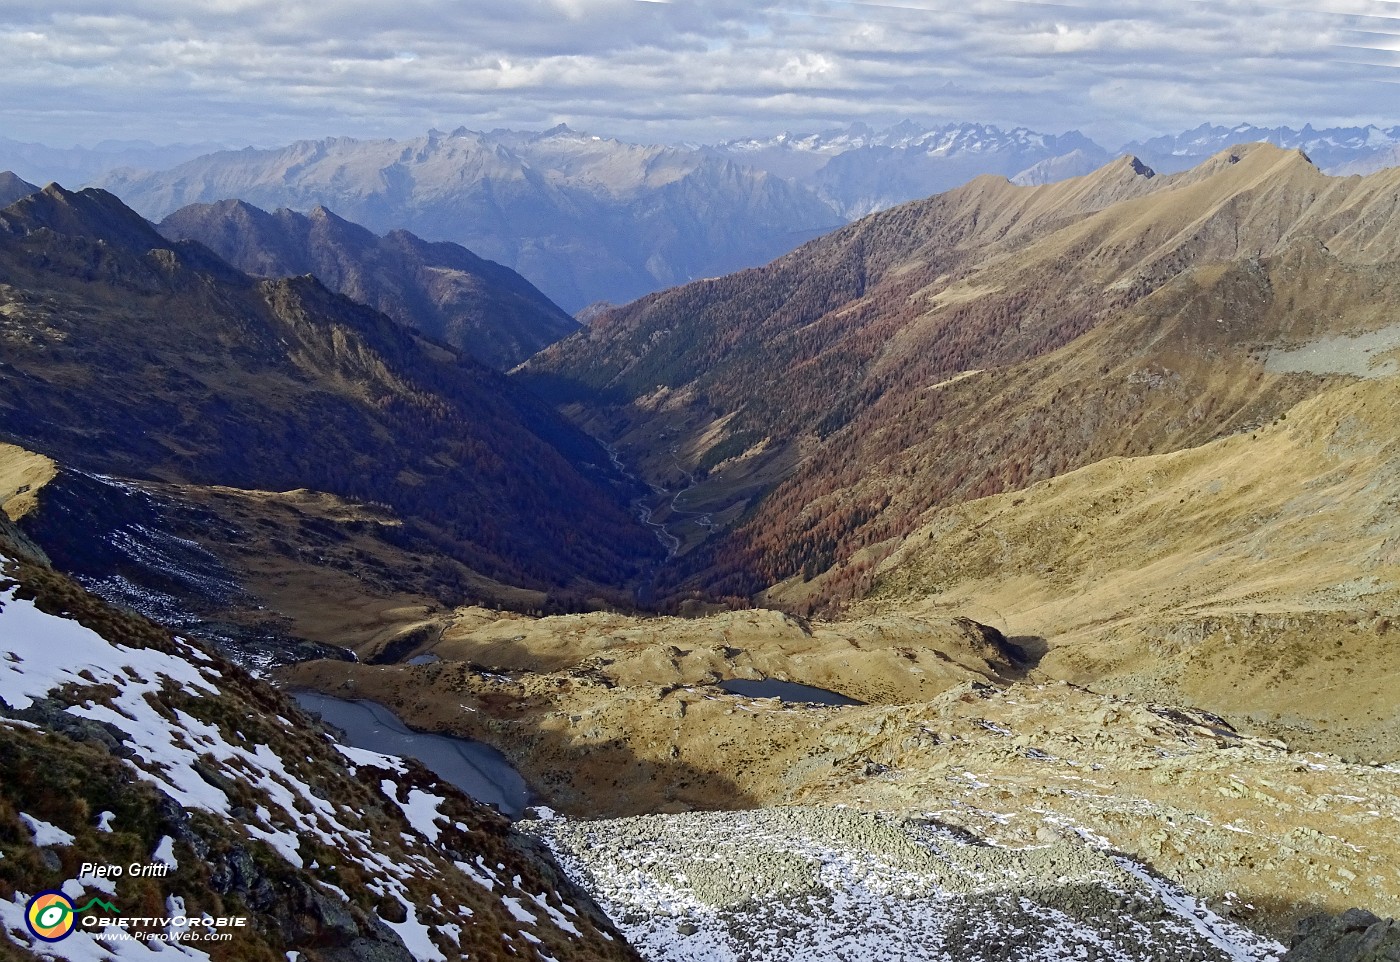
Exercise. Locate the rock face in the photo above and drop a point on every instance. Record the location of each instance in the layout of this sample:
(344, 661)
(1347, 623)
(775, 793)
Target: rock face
(1353, 936)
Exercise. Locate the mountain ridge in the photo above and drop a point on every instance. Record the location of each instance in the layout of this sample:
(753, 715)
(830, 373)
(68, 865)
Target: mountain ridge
(872, 322)
(12, 188)
(128, 355)
(441, 289)
(594, 219)
(585, 218)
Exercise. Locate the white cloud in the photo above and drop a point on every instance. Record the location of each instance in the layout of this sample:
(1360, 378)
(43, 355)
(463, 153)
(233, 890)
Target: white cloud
(266, 71)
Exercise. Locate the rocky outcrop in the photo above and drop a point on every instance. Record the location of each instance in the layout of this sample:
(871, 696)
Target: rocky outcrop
(1353, 936)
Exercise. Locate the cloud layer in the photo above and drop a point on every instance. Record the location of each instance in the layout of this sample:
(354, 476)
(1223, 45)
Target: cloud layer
(266, 71)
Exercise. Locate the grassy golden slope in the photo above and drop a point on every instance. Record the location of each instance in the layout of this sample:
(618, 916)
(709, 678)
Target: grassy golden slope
(1255, 576)
(22, 474)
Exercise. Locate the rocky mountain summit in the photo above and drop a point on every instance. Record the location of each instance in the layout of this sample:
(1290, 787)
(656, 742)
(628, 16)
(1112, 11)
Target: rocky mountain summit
(12, 188)
(1353, 936)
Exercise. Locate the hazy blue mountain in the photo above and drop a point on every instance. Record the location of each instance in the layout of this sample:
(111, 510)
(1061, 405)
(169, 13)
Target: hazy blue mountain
(78, 165)
(584, 218)
(13, 187)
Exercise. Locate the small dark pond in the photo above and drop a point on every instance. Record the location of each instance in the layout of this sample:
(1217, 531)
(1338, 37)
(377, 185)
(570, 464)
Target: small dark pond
(786, 690)
(475, 768)
(428, 659)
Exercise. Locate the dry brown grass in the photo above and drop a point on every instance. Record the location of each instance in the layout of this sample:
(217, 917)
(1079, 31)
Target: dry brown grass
(1254, 575)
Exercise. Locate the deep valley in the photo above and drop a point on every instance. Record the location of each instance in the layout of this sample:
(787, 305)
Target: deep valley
(1073, 502)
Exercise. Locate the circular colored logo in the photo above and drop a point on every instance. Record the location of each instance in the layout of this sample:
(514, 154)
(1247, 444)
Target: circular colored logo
(50, 916)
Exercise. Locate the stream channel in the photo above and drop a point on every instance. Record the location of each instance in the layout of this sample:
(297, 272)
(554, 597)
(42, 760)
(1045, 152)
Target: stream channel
(644, 513)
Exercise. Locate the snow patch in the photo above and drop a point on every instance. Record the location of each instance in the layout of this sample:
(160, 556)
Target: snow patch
(45, 834)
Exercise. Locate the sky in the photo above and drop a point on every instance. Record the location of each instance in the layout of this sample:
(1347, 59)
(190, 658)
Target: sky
(267, 72)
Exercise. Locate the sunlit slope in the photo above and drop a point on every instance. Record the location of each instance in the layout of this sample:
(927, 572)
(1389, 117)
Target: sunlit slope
(1256, 575)
(826, 402)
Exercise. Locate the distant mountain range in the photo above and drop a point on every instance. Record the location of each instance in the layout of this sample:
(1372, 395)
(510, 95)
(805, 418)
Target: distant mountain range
(584, 218)
(1335, 150)
(80, 165)
(859, 170)
(591, 219)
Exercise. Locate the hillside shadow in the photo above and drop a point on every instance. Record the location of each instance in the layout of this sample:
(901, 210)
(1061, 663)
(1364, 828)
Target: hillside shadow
(1026, 651)
(578, 769)
(581, 774)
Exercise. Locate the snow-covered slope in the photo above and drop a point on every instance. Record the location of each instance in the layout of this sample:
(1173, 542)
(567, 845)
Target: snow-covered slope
(122, 745)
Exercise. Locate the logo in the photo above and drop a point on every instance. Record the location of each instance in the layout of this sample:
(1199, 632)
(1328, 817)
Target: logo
(51, 915)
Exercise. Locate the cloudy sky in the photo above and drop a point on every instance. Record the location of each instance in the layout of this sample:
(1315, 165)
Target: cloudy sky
(266, 72)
